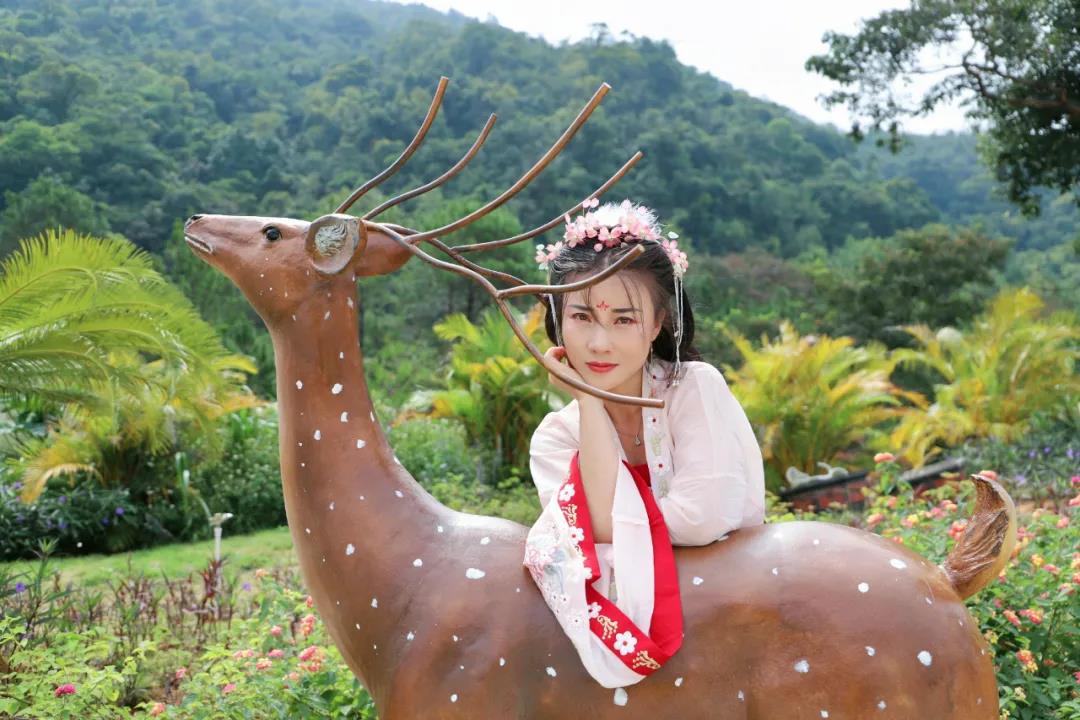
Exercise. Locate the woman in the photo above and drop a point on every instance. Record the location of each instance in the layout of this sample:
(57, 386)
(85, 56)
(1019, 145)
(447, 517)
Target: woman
(621, 484)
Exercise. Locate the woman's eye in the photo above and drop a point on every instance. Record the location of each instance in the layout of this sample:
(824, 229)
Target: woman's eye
(272, 234)
(579, 316)
(629, 320)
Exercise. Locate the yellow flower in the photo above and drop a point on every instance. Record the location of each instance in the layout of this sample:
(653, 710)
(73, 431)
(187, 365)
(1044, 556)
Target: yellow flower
(1019, 693)
(1037, 560)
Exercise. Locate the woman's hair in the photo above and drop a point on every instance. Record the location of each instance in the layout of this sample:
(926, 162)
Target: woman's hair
(653, 268)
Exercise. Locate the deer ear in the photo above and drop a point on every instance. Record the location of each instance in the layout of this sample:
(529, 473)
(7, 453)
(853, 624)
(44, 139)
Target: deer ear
(333, 241)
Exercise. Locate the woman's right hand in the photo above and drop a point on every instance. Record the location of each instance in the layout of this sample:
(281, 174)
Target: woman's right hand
(557, 370)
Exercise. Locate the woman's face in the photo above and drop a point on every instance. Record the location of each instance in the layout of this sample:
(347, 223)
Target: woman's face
(608, 340)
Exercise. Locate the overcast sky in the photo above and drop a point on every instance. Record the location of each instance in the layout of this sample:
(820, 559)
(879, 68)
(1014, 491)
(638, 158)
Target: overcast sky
(758, 46)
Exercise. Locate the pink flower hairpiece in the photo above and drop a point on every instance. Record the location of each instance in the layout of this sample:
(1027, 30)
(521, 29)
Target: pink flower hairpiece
(611, 225)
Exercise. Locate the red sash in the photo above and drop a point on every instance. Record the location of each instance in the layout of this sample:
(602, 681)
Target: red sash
(644, 654)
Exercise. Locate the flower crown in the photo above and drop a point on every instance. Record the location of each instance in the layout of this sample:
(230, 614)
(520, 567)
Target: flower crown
(612, 225)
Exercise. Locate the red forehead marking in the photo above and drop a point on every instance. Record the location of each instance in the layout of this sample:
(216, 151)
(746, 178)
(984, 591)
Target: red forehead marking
(602, 305)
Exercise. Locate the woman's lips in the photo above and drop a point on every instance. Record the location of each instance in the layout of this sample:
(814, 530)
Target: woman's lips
(600, 367)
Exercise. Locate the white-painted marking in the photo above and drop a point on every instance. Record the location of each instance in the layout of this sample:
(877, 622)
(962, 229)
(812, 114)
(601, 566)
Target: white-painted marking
(474, 574)
(336, 390)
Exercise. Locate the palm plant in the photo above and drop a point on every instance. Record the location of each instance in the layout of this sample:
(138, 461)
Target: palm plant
(1011, 364)
(494, 387)
(812, 397)
(113, 355)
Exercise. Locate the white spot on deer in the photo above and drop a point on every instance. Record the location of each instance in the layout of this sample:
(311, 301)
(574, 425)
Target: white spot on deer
(399, 493)
(307, 530)
(417, 562)
(326, 316)
(338, 387)
(318, 435)
(697, 580)
(678, 682)
(816, 541)
(870, 651)
(349, 302)
(357, 626)
(620, 696)
(961, 623)
(294, 318)
(300, 444)
(802, 666)
(551, 671)
(925, 658)
(341, 355)
(453, 698)
(345, 416)
(485, 540)
(350, 549)
(374, 602)
(331, 505)
(262, 275)
(898, 563)
(474, 574)
(741, 696)
(929, 601)
(502, 662)
(410, 636)
(455, 637)
(299, 384)
(881, 705)
(304, 465)
(360, 444)
(439, 528)
(776, 571)
(361, 497)
(824, 713)
(372, 416)
(864, 587)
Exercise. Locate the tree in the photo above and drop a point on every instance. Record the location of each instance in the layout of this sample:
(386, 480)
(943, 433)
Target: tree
(1016, 66)
(47, 203)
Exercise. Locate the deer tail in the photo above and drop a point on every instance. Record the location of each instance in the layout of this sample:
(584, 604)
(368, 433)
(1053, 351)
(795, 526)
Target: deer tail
(987, 542)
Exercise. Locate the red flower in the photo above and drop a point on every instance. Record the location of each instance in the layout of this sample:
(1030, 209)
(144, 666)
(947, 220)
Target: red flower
(65, 689)
(1011, 617)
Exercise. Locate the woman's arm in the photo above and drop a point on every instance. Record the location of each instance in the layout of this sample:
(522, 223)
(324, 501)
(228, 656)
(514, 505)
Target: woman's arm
(599, 464)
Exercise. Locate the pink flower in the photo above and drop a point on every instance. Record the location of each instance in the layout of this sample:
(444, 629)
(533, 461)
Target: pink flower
(1052, 569)
(65, 689)
(884, 457)
(276, 631)
(263, 664)
(1012, 617)
(309, 652)
(180, 674)
(1027, 660)
(310, 602)
(897, 539)
(294, 676)
(307, 625)
(229, 687)
(1075, 480)
(1074, 501)
(1063, 522)
(157, 709)
(276, 653)
(1034, 615)
(956, 531)
(874, 519)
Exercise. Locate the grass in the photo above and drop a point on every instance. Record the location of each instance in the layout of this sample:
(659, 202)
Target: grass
(243, 554)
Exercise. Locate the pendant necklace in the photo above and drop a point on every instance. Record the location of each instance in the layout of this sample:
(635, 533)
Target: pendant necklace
(637, 435)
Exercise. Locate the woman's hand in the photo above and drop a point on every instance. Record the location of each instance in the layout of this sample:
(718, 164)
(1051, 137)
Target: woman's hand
(557, 370)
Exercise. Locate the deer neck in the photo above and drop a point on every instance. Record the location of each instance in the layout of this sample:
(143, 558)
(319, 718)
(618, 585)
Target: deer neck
(357, 518)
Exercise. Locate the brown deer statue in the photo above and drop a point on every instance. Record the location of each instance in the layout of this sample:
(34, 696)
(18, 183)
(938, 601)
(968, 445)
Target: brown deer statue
(434, 611)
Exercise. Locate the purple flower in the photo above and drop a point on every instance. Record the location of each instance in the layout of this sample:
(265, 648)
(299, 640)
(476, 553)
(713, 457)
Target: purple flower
(1069, 453)
(1031, 454)
(119, 511)
(1046, 450)
(62, 499)
(1020, 480)
(20, 588)
(62, 525)
(246, 586)
(104, 521)
(17, 486)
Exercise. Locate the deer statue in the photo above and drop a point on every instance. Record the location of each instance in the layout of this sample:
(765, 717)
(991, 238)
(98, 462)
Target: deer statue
(433, 610)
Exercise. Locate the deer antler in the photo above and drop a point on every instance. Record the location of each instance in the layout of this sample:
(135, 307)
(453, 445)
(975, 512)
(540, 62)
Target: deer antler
(409, 239)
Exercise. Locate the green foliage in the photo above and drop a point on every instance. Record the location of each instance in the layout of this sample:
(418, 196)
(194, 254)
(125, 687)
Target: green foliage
(118, 357)
(811, 398)
(46, 204)
(494, 386)
(1014, 64)
(1012, 363)
(935, 275)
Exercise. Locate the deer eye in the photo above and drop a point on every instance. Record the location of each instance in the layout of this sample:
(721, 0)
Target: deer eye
(272, 234)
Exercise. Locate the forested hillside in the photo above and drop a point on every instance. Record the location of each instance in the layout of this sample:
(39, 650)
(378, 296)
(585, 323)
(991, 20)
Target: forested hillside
(128, 115)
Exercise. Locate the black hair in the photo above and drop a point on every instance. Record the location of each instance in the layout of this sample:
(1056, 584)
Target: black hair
(653, 267)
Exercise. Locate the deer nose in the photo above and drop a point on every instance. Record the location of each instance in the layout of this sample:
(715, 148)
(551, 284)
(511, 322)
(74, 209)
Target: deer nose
(191, 219)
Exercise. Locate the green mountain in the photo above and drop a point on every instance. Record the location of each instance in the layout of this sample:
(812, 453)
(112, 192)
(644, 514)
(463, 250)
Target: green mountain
(129, 115)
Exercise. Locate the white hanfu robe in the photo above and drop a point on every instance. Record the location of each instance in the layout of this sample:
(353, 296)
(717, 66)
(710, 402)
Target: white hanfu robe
(707, 479)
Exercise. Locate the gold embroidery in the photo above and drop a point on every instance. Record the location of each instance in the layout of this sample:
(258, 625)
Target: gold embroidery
(609, 625)
(642, 659)
(570, 511)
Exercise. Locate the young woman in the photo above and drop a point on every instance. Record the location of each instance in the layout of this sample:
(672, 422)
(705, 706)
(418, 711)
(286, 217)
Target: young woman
(621, 484)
